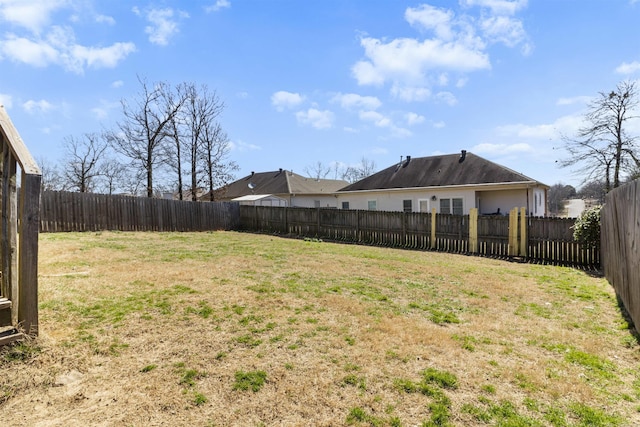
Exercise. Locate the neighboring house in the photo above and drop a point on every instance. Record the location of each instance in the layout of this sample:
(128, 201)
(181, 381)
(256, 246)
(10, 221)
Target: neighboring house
(260, 200)
(452, 183)
(296, 190)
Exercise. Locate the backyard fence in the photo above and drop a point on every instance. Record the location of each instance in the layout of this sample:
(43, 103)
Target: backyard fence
(66, 211)
(544, 240)
(620, 241)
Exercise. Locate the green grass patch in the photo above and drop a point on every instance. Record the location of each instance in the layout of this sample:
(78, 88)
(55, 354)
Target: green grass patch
(251, 380)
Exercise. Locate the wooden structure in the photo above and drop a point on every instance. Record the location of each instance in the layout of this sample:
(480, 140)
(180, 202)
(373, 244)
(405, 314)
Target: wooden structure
(620, 244)
(534, 239)
(20, 206)
(62, 211)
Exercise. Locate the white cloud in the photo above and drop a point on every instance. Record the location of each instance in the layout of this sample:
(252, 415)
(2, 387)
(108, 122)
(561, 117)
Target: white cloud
(33, 15)
(453, 44)
(408, 60)
(508, 7)
(164, 24)
(218, 5)
(102, 111)
(432, 18)
(379, 151)
(316, 118)
(282, 100)
(38, 54)
(566, 125)
(410, 94)
(438, 125)
(241, 146)
(58, 46)
(382, 121)
(104, 19)
(502, 149)
(105, 57)
(116, 84)
(628, 68)
(242, 94)
(447, 97)
(352, 101)
(376, 118)
(574, 100)
(414, 119)
(33, 107)
(503, 29)
(6, 100)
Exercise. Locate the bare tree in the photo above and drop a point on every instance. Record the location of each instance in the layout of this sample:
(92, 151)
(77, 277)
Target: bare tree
(603, 147)
(144, 128)
(213, 154)
(115, 177)
(82, 162)
(317, 170)
(360, 171)
(197, 118)
(52, 179)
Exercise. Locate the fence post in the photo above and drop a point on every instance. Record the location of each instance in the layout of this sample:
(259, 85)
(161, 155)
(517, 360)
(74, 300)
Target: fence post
(513, 232)
(524, 242)
(473, 230)
(433, 228)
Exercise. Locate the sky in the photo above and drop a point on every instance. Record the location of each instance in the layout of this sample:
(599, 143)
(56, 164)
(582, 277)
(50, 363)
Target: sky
(330, 81)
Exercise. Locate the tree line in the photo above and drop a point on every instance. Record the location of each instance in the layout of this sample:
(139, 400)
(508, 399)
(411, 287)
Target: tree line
(168, 139)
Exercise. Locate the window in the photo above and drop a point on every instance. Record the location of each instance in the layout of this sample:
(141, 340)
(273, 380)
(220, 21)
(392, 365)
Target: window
(316, 203)
(457, 206)
(424, 205)
(372, 205)
(451, 206)
(445, 206)
(345, 205)
(406, 206)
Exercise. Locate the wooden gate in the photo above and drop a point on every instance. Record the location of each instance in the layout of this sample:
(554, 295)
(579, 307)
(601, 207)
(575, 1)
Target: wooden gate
(19, 224)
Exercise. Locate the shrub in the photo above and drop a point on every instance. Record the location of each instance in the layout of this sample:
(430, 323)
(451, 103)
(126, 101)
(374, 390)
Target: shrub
(586, 229)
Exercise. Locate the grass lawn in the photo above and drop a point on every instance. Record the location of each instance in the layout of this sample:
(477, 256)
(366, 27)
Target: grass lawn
(225, 329)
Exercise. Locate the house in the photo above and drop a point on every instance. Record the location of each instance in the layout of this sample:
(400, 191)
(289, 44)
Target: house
(296, 190)
(452, 183)
(260, 200)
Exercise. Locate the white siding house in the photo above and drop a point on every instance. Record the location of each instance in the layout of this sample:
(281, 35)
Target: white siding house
(450, 184)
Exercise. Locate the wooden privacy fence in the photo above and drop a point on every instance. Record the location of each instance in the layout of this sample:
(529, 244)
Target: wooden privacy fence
(620, 241)
(66, 211)
(19, 225)
(544, 240)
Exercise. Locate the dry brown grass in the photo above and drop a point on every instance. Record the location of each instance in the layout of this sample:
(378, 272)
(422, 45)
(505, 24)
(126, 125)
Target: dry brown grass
(150, 329)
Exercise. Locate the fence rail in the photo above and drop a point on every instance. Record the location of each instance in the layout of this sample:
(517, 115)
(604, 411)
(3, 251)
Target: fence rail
(543, 240)
(620, 235)
(66, 211)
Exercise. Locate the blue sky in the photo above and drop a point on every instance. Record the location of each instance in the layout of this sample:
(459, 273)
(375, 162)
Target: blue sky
(333, 81)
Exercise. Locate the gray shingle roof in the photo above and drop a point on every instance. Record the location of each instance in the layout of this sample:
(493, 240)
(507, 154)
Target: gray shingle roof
(437, 171)
(281, 182)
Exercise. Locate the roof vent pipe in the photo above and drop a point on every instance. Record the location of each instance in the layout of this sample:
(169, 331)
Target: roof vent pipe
(463, 155)
(408, 160)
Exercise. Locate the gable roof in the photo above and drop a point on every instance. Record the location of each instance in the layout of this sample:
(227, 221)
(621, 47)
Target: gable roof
(280, 182)
(439, 171)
